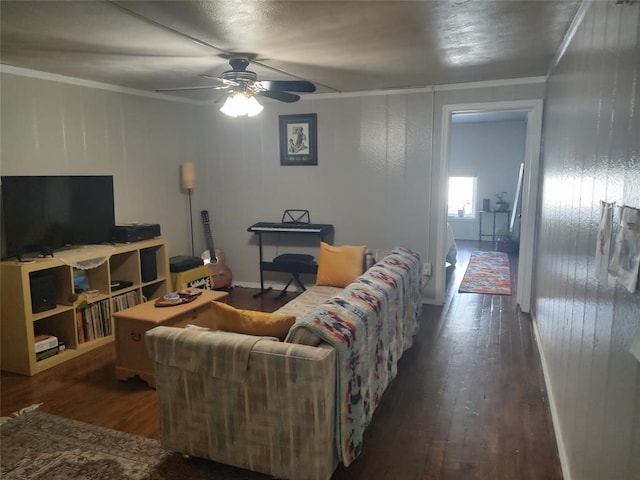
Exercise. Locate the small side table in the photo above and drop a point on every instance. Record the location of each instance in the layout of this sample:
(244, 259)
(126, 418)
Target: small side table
(493, 213)
(132, 323)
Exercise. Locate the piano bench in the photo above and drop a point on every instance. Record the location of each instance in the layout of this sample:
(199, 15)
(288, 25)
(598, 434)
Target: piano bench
(295, 264)
(294, 258)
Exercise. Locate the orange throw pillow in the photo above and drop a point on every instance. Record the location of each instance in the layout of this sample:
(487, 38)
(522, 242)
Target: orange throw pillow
(339, 266)
(250, 322)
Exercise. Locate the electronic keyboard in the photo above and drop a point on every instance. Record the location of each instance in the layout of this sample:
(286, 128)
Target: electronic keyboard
(291, 227)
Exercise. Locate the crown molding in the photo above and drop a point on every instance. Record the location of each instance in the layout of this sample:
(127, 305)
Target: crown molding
(429, 89)
(54, 77)
(25, 72)
(507, 82)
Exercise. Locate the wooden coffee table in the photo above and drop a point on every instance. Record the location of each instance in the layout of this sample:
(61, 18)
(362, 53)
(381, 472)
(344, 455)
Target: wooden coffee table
(132, 323)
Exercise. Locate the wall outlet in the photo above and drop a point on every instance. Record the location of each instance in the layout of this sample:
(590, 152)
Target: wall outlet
(426, 269)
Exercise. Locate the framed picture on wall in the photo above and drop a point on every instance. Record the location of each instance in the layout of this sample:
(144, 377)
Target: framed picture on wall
(299, 139)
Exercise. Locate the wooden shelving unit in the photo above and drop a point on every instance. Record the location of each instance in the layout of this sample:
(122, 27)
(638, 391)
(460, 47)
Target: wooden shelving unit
(19, 325)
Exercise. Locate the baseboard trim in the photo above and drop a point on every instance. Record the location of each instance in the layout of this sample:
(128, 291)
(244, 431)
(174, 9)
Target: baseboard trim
(427, 300)
(562, 451)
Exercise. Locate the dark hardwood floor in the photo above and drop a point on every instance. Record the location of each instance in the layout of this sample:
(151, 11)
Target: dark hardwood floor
(469, 400)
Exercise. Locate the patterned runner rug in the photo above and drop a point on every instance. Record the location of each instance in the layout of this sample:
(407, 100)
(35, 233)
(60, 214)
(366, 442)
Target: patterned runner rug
(487, 272)
(39, 445)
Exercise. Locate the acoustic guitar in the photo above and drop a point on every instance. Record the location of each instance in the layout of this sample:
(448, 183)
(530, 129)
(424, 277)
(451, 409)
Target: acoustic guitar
(214, 258)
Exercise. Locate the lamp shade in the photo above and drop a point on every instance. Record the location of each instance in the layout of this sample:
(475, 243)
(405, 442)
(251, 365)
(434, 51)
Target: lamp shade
(188, 175)
(239, 104)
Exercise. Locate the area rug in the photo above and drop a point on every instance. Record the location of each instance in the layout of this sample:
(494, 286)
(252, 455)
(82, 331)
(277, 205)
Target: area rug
(487, 272)
(39, 445)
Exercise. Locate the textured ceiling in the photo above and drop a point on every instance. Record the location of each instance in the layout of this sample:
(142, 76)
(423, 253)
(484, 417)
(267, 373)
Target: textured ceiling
(341, 46)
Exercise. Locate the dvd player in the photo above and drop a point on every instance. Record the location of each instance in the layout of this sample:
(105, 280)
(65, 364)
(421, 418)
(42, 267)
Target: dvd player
(134, 232)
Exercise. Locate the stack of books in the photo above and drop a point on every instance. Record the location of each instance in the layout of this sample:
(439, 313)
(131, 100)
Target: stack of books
(46, 346)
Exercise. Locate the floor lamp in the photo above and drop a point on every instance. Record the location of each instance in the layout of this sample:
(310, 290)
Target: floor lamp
(188, 181)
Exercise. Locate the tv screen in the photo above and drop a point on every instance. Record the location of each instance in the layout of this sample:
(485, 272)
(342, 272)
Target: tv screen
(44, 213)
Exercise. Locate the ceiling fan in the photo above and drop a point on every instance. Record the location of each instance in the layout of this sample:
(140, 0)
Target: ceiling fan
(241, 81)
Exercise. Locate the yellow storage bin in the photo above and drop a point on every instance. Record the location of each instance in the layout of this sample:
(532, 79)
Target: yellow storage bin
(199, 277)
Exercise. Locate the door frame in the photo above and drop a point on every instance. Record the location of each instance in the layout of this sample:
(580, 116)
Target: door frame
(533, 110)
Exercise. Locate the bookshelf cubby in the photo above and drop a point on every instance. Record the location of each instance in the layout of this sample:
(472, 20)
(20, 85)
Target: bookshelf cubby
(19, 325)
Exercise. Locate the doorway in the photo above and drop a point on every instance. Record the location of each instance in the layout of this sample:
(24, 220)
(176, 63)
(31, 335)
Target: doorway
(531, 110)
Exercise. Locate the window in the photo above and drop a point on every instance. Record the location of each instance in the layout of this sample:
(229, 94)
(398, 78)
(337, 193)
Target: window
(462, 196)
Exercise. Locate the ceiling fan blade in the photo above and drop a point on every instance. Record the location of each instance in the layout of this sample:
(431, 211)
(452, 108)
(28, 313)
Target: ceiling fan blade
(205, 87)
(282, 96)
(287, 85)
(222, 81)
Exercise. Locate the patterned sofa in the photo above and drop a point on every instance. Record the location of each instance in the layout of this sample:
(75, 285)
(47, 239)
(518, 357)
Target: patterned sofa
(290, 409)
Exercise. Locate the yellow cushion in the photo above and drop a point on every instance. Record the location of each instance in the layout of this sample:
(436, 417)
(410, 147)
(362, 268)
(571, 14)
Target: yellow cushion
(250, 322)
(339, 266)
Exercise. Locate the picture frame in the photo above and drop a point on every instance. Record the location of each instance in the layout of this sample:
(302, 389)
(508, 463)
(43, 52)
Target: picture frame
(298, 139)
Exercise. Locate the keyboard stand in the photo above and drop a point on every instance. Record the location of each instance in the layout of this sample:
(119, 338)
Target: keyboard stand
(296, 277)
(291, 267)
(295, 264)
(262, 289)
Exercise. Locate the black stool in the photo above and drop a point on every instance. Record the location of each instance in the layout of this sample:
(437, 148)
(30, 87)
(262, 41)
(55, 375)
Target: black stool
(295, 264)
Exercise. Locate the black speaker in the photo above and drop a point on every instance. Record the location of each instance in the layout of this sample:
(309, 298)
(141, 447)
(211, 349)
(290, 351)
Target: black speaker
(43, 290)
(148, 265)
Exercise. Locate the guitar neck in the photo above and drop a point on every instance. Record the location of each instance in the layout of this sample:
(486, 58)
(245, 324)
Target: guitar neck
(207, 230)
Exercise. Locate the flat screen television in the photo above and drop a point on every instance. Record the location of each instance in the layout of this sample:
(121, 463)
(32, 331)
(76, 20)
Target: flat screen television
(45, 213)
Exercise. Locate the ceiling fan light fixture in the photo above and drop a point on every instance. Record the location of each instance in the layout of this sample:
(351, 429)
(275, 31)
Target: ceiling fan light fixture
(253, 106)
(239, 104)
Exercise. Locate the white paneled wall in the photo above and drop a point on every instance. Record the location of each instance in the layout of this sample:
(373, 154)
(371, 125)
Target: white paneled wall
(591, 153)
(373, 162)
(54, 128)
(375, 179)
